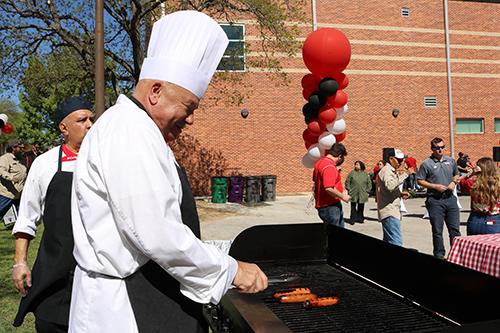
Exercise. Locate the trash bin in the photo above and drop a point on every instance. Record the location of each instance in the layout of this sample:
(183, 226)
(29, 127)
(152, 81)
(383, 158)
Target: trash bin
(219, 189)
(252, 189)
(236, 188)
(269, 188)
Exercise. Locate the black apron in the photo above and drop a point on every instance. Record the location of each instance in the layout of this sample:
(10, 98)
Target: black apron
(155, 297)
(52, 275)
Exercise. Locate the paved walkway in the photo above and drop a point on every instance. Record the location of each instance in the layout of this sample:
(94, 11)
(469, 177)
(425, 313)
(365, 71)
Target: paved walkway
(300, 209)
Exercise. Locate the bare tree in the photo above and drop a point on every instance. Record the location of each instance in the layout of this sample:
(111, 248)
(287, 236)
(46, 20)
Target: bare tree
(42, 26)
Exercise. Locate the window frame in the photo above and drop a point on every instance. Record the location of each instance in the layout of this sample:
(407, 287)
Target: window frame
(469, 118)
(243, 56)
(495, 120)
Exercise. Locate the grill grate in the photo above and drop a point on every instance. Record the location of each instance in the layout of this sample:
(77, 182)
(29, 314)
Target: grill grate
(362, 307)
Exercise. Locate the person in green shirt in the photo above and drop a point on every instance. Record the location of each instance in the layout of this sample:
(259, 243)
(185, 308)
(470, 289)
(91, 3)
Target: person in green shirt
(358, 185)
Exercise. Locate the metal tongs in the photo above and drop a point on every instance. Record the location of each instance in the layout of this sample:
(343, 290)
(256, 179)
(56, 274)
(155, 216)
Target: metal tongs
(283, 278)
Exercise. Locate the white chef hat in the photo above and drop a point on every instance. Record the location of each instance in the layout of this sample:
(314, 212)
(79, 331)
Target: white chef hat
(185, 48)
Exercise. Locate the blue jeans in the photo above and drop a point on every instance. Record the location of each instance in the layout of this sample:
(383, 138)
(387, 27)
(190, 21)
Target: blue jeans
(392, 230)
(5, 204)
(478, 224)
(332, 215)
(443, 210)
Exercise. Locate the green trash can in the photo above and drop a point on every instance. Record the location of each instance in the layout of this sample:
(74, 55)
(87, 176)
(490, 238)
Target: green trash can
(219, 189)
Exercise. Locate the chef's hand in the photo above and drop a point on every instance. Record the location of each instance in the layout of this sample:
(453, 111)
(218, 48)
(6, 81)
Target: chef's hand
(21, 277)
(249, 278)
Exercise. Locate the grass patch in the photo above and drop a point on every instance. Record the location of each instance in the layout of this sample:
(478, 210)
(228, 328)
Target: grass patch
(9, 298)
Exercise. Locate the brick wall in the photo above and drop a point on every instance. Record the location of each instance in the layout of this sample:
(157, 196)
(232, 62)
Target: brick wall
(396, 61)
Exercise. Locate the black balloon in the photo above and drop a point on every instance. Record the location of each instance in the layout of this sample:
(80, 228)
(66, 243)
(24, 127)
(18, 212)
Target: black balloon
(306, 109)
(328, 86)
(308, 119)
(317, 100)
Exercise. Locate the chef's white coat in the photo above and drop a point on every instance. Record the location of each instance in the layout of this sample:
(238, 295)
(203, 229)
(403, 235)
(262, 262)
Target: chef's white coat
(126, 211)
(32, 202)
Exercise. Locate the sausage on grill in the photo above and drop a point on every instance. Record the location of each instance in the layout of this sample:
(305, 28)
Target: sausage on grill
(297, 298)
(294, 291)
(320, 302)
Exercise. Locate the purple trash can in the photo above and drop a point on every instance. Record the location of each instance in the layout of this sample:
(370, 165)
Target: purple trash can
(236, 189)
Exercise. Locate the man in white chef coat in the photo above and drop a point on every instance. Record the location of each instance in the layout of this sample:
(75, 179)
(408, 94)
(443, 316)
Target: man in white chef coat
(127, 193)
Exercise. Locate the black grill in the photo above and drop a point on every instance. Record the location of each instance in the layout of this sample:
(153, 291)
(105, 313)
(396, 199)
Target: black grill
(362, 307)
(381, 287)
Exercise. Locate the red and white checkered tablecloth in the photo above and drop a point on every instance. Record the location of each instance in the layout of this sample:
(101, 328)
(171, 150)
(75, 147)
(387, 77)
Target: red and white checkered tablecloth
(479, 252)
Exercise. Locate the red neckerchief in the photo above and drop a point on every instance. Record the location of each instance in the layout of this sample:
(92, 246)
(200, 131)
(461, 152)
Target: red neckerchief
(68, 154)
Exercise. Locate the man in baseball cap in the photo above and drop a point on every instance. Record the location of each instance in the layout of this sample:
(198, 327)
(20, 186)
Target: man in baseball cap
(388, 191)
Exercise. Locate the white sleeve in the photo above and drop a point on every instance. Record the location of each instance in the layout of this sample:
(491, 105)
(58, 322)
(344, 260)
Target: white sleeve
(139, 174)
(31, 205)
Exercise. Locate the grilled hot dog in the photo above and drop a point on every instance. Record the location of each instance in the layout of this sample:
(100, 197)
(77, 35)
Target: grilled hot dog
(297, 298)
(320, 302)
(294, 291)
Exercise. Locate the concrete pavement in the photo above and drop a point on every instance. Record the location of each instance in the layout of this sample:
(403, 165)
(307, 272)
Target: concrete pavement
(300, 209)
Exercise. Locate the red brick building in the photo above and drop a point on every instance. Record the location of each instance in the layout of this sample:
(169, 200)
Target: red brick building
(398, 61)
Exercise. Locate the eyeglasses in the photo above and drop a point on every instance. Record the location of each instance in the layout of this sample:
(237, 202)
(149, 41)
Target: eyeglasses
(438, 147)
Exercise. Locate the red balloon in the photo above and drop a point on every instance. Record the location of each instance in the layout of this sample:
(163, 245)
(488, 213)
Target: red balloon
(7, 128)
(327, 114)
(341, 136)
(308, 144)
(316, 127)
(342, 80)
(308, 136)
(338, 100)
(310, 82)
(306, 93)
(326, 51)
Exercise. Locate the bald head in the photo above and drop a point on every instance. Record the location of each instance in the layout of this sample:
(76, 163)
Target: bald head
(170, 106)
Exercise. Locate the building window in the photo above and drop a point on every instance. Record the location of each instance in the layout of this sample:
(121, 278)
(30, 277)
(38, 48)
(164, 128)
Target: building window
(405, 11)
(497, 125)
(430, 101)
(470, 126)
(234, 57)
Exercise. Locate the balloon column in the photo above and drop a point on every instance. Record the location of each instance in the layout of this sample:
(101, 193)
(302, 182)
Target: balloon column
(6, 127)
(326, 53)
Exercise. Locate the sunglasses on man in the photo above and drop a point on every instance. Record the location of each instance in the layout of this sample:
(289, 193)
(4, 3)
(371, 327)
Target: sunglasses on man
(438, 147)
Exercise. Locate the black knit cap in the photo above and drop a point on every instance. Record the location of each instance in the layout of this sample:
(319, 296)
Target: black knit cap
(70, 105)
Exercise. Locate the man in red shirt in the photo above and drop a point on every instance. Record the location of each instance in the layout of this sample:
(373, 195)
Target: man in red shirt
(411, 181)
(328, 189)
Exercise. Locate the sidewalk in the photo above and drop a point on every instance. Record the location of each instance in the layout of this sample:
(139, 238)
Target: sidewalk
(300, 209)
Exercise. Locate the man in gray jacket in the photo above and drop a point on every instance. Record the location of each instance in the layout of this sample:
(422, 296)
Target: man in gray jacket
(389, 194)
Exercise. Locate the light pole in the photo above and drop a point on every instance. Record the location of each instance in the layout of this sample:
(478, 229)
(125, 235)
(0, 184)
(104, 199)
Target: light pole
(99, 58)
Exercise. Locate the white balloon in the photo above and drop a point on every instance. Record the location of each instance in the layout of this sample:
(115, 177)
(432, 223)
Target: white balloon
(326, 140)
(315, 152)
(4, 118)
(336, 127)
(341, 112)
(307, 161)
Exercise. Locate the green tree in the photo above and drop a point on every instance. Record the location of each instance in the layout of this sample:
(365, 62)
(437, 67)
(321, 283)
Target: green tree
(47, 81)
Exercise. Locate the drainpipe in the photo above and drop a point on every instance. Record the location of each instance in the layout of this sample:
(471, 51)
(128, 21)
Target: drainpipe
(315, 22)
(448, 73)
